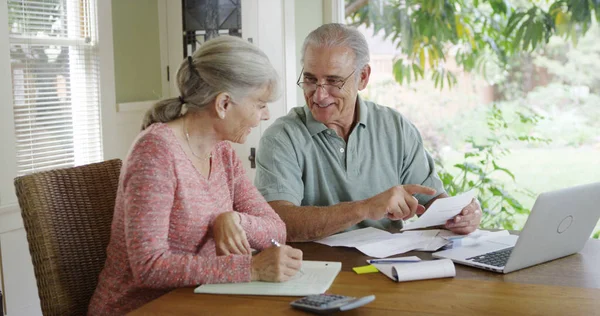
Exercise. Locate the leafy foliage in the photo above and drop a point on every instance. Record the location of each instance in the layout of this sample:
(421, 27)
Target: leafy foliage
(480, 170)
(597, 235)
(507, 42)
(474, 32)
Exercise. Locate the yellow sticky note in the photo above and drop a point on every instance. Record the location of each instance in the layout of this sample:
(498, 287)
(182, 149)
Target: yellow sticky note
(365, 269)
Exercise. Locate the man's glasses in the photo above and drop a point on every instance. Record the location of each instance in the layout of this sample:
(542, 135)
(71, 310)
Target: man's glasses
(310, 85)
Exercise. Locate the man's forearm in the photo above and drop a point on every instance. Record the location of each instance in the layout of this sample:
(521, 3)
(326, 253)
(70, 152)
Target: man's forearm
(308, 223)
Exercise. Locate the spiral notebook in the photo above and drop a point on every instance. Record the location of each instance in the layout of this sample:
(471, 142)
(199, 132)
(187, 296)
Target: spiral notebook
(421, 270)
(315, 278)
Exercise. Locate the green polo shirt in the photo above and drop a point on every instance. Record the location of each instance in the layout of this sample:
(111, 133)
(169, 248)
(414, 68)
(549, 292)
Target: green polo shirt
(302, 161)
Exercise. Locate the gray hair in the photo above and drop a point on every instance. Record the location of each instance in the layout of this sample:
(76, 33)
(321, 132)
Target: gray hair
(339, 35)
(223, 64)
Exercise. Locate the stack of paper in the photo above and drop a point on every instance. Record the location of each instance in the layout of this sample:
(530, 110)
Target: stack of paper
(398, 243)
(378, 243)
(419, 270)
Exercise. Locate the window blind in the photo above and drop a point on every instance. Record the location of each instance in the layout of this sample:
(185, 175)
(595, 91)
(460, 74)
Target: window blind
(55, 77)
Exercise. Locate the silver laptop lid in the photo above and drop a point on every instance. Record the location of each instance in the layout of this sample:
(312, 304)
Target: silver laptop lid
(560, 223)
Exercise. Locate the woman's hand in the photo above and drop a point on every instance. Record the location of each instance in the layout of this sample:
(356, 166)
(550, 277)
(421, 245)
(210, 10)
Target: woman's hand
(230, 237)
(276, 264)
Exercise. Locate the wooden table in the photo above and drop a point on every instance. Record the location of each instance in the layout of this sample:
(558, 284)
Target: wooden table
(567, 286)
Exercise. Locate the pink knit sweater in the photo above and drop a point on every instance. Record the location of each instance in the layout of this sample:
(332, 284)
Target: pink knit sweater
(161, 232)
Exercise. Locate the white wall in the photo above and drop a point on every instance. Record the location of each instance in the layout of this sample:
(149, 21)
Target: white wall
(308, 16)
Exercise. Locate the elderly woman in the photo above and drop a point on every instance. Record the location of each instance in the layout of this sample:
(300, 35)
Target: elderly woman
(186, 214)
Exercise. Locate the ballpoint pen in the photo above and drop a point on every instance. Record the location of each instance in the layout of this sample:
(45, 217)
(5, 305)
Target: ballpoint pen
(275, 243)
(392, 261)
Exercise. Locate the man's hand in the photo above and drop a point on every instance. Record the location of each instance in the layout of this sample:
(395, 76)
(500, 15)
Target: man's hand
(230, 237)
(397, 202)
(467, 221)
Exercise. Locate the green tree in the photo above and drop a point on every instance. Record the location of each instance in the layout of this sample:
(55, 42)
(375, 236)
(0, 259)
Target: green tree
(474, 32)
(480, 168)
(481, 36)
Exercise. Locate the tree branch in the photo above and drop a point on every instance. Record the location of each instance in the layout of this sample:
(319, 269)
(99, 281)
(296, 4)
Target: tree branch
(355, 6)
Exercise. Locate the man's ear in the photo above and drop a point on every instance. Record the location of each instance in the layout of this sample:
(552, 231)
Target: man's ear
(365, 74)
(222, 104)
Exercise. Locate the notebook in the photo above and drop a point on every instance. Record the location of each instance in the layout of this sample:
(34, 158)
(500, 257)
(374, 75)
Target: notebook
(559, 225)
(417, 270)
(315, 278)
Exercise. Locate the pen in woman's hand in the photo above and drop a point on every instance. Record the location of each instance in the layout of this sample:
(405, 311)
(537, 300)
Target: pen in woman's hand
(275, 243)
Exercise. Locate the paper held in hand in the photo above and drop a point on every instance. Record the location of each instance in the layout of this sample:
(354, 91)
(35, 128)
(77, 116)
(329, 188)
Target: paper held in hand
(442, 210)
(421, 270)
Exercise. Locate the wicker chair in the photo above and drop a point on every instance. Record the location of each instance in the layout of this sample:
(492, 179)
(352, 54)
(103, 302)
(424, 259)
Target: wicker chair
(67, 215)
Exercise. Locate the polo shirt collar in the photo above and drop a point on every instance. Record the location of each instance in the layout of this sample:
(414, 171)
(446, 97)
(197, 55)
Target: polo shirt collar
(315, 127)
(362, 112)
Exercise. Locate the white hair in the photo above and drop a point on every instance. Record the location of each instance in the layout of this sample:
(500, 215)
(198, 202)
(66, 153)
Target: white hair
(222, 64)
(339, 35)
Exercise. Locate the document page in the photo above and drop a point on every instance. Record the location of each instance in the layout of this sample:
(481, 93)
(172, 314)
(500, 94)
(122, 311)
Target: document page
(442, 210)
(378, 243)
(398, 243)
(355, 238)
(315, 278)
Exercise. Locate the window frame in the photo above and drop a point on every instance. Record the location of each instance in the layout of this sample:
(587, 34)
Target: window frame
(8, 141)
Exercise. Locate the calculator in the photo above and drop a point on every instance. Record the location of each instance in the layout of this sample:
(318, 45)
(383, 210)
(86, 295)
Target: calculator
(330, 303)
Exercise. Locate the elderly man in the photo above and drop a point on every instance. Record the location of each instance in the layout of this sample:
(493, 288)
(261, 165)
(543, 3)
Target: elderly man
(341, 162)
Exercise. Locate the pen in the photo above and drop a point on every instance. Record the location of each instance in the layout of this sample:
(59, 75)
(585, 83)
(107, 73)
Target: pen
(391, 261)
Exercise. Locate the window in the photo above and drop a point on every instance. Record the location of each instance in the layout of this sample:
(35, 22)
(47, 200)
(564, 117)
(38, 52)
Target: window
(203, 20)
(522, 115)
(55, 78)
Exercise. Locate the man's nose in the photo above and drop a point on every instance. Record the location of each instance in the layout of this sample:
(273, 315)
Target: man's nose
(320, 94)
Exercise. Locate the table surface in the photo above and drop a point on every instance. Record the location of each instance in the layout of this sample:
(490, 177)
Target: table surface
(567, 286)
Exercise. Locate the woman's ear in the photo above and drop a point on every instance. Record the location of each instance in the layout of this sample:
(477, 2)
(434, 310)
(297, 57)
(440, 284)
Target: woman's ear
(222, 104)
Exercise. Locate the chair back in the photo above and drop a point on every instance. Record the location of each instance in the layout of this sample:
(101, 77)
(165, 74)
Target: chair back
(67, 214)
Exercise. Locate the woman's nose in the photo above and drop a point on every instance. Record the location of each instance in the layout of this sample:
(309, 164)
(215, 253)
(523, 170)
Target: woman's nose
(265, 114)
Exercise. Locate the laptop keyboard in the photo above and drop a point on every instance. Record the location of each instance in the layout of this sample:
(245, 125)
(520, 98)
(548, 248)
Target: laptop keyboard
(496, 258)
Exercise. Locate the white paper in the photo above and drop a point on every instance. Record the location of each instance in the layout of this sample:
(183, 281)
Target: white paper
(407, 259)
(394, 246)
(423, 270)
(356, 237)
(398, 243)
(471, 239)
(380, 244)
(442, 210)
(435, 244)
(451, 235)
(316, 278)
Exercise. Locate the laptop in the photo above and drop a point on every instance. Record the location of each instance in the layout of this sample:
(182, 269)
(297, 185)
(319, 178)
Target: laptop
(559, 225)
